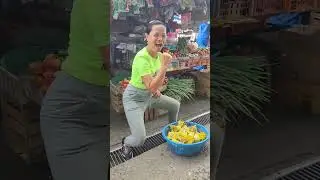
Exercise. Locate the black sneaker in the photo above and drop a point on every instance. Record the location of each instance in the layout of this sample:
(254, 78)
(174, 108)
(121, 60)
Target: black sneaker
(126, 151)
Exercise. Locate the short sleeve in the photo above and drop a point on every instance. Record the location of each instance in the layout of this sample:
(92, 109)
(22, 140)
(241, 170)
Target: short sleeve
(142, 66)
(99, 20)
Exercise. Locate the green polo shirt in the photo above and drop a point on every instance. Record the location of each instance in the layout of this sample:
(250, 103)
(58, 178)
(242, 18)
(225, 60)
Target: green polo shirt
(89, 31)
(143, 64)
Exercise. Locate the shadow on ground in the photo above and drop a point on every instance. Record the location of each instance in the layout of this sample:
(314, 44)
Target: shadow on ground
(252, 152)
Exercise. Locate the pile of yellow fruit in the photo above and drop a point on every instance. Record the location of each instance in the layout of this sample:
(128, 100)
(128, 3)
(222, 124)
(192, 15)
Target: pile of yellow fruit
(181, 133)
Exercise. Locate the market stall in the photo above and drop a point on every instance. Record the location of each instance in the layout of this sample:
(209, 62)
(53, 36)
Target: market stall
(187, 26)
(187, 76)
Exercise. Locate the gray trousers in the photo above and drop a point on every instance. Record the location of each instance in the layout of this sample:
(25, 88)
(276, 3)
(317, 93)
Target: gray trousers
(74, 125)
(135, 102)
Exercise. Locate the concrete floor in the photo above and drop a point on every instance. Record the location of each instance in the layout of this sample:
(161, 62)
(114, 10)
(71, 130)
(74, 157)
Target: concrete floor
(159, 164)
(119, 127)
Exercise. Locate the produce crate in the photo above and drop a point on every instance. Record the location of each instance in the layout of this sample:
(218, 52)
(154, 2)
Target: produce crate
(205, 60)
(19, 88)
(116, 98)
(234, 8)
(30, 150)
(15, 80)
(265, 7)
(116, 103)
(21, 128)
(26, 117)
(298, 5)
(203, 83)
(151, 114)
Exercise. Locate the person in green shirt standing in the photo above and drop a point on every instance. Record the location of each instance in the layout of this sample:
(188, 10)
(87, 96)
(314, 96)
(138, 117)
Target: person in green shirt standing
(149, 68)
(74, 114)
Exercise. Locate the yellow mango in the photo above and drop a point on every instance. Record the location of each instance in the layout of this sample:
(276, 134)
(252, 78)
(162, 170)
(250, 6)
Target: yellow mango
(181, 133)
(193, 128)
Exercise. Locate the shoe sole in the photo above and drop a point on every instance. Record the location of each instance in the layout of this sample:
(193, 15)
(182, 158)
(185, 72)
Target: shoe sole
(125, 156)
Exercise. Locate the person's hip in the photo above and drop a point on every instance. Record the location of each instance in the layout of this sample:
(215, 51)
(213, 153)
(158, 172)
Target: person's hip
(71, 98)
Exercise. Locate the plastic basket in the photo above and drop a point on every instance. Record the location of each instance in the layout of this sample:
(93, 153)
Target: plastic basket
(186, 149)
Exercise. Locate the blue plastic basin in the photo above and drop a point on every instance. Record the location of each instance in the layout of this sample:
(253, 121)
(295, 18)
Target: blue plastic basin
(186, 149)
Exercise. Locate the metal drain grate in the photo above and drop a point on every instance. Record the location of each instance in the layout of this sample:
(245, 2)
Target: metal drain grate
(309, 170)
(202, 119)
(152, 142)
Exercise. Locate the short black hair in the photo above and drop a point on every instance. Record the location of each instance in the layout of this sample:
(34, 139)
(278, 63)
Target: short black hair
(152, 23)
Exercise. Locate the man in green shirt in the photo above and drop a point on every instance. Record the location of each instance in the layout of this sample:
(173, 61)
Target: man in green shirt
(74, 115)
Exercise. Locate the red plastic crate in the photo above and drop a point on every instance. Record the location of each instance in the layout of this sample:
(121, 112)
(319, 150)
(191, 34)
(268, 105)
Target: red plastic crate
(265, 7)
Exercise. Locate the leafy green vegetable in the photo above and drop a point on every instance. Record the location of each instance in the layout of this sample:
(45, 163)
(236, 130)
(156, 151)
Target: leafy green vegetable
(239, 86)
(180, 89)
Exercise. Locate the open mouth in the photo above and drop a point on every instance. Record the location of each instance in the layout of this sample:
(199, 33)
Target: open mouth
(159, 45)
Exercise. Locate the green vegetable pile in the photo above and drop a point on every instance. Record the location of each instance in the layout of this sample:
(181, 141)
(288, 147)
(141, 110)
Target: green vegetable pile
(180, 89)
(182, 46)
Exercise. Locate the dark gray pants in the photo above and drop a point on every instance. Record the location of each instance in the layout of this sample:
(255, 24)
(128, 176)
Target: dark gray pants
(74, 125)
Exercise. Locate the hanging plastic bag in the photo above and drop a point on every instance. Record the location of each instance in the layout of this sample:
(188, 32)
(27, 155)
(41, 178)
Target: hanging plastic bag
(203, 35)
